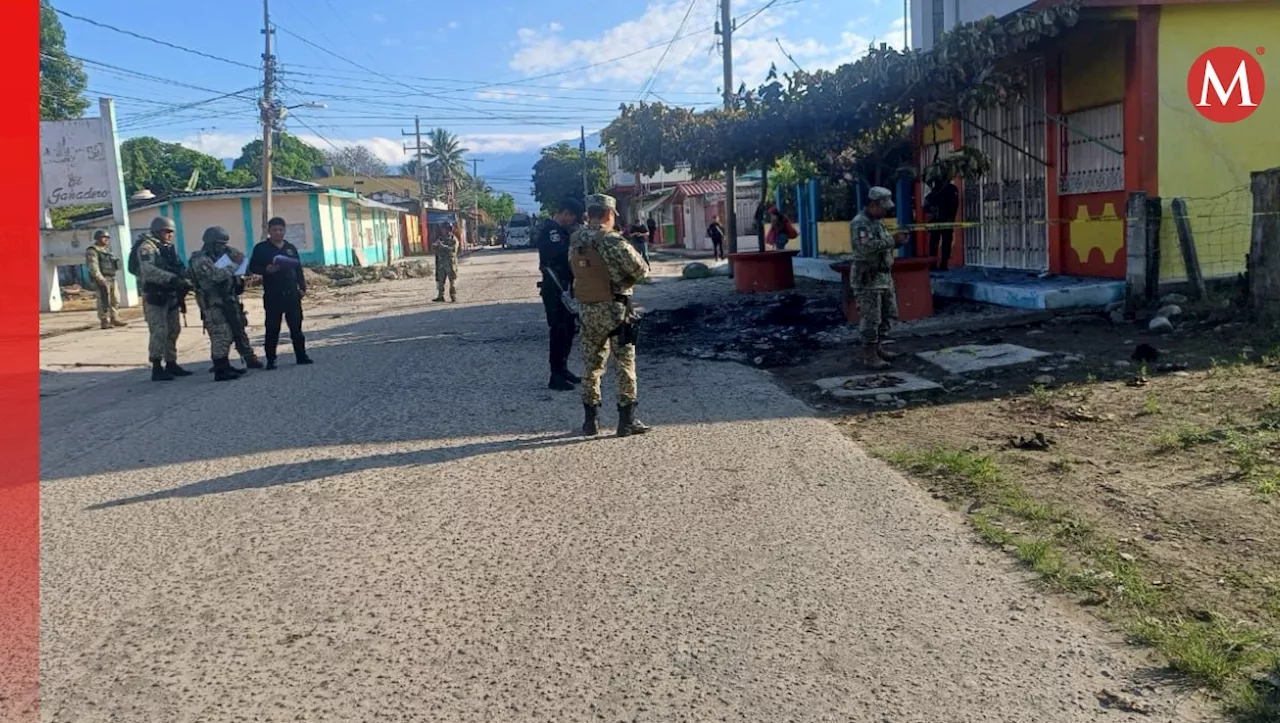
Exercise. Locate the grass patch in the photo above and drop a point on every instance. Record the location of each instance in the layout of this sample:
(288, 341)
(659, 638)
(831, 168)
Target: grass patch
(1185, 436)
(1150, 406)
(1071, 556)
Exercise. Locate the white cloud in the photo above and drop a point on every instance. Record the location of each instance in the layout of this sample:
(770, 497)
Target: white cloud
(228, 145)
(514, 142)
(219, 145)
(454, 25)
(691, 63)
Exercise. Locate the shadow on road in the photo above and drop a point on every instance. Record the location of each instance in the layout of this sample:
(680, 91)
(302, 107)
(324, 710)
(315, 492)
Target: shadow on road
(294, 473)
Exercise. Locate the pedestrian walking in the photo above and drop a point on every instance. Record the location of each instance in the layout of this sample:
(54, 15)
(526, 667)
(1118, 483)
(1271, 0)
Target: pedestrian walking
(103, 267)
(871, 278)
(605, 269)
(283, 287)
(639, 235)
(557, 281)
(163, 276)
(781, 230)
(446, 254)
(716, 232)
(215, 293)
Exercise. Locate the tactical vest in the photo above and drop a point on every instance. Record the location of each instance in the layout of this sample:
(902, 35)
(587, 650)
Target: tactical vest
(107, 263)
(167, 259)
(591, 284)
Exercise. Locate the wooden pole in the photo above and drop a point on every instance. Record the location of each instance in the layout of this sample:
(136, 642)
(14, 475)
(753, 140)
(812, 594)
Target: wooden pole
(1187, 240)
(1263, 263)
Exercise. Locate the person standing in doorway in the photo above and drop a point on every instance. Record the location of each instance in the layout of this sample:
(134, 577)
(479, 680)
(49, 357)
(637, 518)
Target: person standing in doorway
(716, 232)
(941, 206)
(103, 267)
(283, 288)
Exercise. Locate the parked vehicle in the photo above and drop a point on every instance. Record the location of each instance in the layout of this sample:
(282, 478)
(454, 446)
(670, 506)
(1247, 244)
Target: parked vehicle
(519, 234)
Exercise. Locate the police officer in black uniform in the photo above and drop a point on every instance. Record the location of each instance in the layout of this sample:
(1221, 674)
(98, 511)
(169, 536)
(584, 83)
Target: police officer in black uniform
(557, 277)
(283, 287)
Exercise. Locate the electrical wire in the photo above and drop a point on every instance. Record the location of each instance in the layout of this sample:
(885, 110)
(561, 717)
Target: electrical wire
(657, 67)
(154, 40)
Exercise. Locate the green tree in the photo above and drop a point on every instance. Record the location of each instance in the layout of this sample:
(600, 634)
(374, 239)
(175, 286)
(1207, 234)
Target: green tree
(447, 156)
(355, 161)
(169, 167)
(500, 208)
(290, 158)
(558, 175)
(62, 79)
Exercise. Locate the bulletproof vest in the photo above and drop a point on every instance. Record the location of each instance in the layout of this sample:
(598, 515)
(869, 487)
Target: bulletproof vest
(107, 263)
(591, 284)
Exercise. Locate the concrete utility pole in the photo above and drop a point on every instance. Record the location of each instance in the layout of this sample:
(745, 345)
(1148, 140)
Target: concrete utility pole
(582, 156)
(269, 114)
(730, 174)
(475, 199)
(417, 153)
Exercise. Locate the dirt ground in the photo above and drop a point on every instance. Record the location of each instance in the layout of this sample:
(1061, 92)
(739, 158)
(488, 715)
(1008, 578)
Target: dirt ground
(1172, 463)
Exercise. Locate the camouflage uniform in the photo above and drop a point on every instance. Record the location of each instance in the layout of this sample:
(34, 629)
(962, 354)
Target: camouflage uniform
(103, 267)
(601, 320)
(446, 251)
(164, 284)
(871, 278)
(215, 292)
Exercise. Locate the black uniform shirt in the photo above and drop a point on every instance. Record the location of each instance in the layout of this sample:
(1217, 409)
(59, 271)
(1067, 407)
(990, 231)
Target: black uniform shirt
(284, 282)
(553, 253)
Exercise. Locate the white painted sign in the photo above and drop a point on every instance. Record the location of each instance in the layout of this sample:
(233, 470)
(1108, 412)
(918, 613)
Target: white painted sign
(74, 165)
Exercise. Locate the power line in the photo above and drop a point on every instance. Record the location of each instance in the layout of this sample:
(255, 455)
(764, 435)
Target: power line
(153, 40)
(658, 66)
(145, 76)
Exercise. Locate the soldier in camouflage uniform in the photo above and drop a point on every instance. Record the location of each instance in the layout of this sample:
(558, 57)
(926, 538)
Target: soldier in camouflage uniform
(103, 267)
(164, 287)
(446, 252)
(605, 269)
(871, 277)
(215, 293)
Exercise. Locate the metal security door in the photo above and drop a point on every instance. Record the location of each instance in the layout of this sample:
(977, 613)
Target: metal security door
(1010, 205)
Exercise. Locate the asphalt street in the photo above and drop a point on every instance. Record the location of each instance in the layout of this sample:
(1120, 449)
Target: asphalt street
(409, 530)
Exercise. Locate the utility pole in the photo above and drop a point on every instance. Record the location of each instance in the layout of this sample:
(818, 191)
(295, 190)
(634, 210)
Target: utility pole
(269, 113)
(730, 174)
(582, 156)
(475, 198)
(417, 154)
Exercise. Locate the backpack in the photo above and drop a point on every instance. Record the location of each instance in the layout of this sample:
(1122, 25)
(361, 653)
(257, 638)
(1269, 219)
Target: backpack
(132, 264)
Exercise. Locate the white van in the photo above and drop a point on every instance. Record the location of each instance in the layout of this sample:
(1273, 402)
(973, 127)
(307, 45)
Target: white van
(519, 232)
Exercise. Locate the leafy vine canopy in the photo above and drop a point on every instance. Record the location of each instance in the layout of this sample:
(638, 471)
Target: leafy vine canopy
(830, 114)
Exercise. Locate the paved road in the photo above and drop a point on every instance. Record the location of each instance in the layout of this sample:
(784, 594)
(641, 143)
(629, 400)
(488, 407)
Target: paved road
(407, 531)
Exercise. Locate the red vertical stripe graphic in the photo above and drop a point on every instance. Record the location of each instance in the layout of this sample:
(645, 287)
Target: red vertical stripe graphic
(19, 365)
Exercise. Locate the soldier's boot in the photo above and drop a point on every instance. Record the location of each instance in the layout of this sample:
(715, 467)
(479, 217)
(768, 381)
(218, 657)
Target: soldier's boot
(106, 324)
(453, 294)
(439, 296)
(119, 323)
(177, 371)
(235, 370)
(627, 422)
(222, 371)
(158, 374)
(591, 419)
(871, 358)
(570, 376)
(885, 354)
(560, 383)
(252, 362)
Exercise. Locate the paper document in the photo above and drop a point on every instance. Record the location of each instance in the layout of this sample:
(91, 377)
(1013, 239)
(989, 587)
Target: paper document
(223, 262)
(243, 268)
(282, 260)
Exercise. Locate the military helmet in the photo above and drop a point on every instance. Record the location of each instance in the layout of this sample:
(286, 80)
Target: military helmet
(100, 234)
(161, 223)
(215, 235)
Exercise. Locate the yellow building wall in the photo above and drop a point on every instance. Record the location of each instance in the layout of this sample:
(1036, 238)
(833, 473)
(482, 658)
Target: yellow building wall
(1208, 164)
(224, 212)
(1093, 69)
(833, 237)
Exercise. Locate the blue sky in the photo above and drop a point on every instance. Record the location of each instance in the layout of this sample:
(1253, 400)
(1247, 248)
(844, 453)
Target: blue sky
(508, 77)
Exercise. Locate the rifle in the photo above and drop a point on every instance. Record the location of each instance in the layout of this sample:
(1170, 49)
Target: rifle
(628, 332)
(566, 296)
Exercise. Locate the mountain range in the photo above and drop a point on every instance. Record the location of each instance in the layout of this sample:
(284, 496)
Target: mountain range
(510, 172)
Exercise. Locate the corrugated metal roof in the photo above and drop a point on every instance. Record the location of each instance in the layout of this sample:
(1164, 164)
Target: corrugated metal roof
(279, 185)
(698, 188)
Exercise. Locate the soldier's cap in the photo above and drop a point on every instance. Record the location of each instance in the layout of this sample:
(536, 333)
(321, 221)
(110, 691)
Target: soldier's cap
(602, 201)
(883, 195)
(216, 235)
(161, 223)
(100, 234)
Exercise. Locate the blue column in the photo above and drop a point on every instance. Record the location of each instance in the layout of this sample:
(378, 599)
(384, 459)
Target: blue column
(859, 198)
(800, 217)
(814, 216)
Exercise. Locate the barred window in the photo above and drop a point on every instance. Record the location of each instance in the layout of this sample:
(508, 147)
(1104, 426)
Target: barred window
(1091, 167)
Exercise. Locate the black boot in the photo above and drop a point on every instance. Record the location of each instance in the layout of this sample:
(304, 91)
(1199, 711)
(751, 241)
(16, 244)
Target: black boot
(158, 374)
(591, 421)
(571, 377)
(252, 362)
(560, 383)
(627, 422)
(177, 371)
(300, 354)
(271, 363)
(222, 371)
